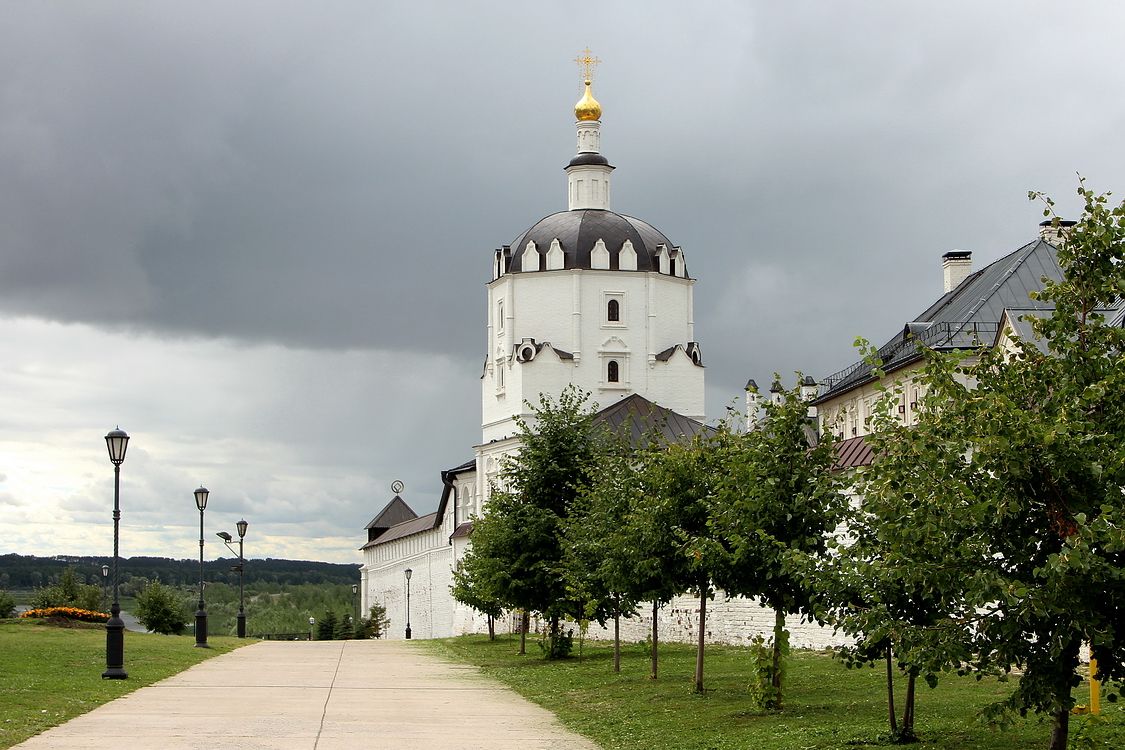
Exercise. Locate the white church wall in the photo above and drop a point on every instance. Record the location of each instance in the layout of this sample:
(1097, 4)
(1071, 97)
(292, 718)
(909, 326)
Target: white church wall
(730, 620)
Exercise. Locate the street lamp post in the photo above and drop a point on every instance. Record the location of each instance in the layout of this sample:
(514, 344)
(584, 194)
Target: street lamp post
(355, 600)
(409, 572)
(227, 539)
(312, 621)
(201, 495)
(105, 584)
(117, 442)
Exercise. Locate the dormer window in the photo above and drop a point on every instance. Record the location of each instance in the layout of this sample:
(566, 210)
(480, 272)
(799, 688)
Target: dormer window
(613, 311)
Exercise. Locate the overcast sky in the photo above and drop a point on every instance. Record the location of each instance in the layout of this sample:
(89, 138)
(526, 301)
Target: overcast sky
(256, 235)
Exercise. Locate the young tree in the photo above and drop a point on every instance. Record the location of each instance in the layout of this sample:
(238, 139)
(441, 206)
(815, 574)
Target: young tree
(600, 555)
(326, 627)
(680, 480)
(776, 504)
(899, 589)
(516, 553)
(161, 609)
(472, 593)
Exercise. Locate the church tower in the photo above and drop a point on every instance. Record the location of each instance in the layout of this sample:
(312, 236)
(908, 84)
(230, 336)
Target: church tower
(588, 297)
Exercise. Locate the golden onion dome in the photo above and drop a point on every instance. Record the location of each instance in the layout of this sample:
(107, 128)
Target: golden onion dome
(587, 109)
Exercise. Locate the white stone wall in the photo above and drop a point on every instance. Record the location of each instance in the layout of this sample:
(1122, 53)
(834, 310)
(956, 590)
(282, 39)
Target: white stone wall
(730, 620)
(429, 555)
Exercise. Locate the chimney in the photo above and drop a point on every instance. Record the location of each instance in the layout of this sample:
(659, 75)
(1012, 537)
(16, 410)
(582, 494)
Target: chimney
(956, 265)
(1054, 235)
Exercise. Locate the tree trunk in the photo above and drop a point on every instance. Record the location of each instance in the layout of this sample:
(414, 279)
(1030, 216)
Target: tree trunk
(908, 710)
(617, 637)
(1060, 730)
(523, 632)
(553, 638)
(655, 633)
(491, 628)
(778, 631)
(699, 648)
(891, 692)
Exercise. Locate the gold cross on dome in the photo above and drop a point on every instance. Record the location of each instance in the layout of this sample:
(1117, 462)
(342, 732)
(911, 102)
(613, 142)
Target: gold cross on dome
(587, 62)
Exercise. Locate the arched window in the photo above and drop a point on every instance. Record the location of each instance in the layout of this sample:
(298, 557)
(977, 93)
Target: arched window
(613, 311)
(613, 373)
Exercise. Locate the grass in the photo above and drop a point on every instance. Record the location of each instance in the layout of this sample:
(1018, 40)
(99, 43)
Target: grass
(826, 705)
(53, 674)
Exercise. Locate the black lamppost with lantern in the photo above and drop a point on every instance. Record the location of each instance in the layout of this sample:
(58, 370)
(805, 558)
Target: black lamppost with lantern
(409, 573)
(105, 585)
(355, 601)
(201, 495)
(227, 539)
(117, 441)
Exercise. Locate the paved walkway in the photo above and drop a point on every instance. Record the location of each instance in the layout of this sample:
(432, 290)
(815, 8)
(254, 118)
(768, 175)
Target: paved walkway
(319, 696)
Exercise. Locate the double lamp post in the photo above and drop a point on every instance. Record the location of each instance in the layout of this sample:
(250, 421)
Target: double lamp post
(227, 539)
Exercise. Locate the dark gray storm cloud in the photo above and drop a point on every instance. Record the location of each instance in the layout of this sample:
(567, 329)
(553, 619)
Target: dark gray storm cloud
(334, 175)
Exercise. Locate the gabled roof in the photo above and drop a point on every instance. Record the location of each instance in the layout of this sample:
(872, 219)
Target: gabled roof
(641, 418)
(964, 318)
(415, 525)
(395, 512)
(407, 528)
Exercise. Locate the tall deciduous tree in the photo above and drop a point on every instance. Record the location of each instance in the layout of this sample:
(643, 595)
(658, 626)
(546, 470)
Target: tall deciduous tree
(517, 552)
(679, 480)
(1030, 513)
(776, 504)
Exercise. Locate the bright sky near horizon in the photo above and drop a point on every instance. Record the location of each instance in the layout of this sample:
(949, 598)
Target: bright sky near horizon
(256, 235)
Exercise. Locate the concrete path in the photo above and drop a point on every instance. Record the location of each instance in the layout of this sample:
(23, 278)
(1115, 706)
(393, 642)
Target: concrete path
(318, 696)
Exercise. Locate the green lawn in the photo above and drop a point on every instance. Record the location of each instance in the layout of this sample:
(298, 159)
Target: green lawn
(827, 706)
(53, 674)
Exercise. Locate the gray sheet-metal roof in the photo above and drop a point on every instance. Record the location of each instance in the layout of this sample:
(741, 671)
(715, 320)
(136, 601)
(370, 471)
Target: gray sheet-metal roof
(407, 528)
(395, 512)
(966, 317)
(638, 418)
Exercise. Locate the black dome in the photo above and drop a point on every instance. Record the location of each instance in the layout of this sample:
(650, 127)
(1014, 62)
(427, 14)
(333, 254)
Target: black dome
(579, 230)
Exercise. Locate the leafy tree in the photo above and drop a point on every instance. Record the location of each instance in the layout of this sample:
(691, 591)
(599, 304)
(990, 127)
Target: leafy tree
(471, 592)
(517, 554)
(680, 479)
(885, 589)
(7, 605)
(162, 610)
(776, 503)
(1030, 514)
(601, 559)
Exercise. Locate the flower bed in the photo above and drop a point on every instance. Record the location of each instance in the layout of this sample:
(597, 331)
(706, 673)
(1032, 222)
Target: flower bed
(70, 613)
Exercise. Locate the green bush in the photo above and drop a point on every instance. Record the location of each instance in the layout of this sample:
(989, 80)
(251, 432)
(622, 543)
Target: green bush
(7, 605)
(375, 626)
(161, 610)
(326, 628)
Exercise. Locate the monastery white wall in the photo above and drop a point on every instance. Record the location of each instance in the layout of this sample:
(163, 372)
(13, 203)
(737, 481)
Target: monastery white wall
(429, 555)
(730, 620)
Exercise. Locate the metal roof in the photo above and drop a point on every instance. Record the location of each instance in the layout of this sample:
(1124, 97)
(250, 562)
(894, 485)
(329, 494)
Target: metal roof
(407, 528)
(852, 453)
(395, 512)
(579, 230)
(638, 418)
(967, 317)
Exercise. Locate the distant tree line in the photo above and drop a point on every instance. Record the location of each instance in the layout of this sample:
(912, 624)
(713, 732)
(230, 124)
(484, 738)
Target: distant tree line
(32, 572)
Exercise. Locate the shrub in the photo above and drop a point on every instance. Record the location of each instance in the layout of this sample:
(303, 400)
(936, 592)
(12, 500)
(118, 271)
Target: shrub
(7, 605)
(326, 628)
(161, 610)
